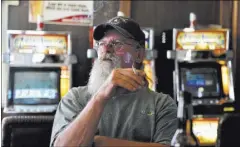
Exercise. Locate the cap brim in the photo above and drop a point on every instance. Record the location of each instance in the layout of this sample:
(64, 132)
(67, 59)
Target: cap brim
(100, 31)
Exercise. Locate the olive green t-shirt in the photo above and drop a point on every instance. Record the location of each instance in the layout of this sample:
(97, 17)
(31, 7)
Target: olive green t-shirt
(143, 115)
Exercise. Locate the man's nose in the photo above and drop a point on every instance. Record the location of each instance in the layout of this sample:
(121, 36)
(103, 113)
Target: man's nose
(108, 49)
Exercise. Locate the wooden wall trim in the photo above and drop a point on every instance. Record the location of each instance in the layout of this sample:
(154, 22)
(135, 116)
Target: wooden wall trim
(125, 7)
(230, 18)
(235, 35)
(221, 12)
(236, 32)
(235, 23)
(226, 13)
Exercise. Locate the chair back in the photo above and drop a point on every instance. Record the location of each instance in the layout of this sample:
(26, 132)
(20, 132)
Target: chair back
(228, 131)
(26, 131)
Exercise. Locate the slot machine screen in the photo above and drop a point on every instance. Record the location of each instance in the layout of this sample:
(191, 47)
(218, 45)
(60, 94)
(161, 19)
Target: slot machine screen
(201, 82)
(39, 86)
(205, 129)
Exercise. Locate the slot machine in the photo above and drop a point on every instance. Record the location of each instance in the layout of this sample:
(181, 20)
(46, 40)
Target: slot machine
(149, 63)
(40, 64)
(203, 67)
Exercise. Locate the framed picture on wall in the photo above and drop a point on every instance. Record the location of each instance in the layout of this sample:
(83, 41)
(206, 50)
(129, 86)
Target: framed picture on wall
(62, 12)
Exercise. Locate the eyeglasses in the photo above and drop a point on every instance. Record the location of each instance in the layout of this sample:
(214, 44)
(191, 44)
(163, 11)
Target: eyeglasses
(115, 44)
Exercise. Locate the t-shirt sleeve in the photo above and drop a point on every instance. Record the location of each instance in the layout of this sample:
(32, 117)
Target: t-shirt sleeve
(166, 119)
(68, 108)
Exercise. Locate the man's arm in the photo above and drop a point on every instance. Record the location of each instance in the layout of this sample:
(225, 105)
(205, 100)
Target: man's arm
(102, 141)
(82, 130)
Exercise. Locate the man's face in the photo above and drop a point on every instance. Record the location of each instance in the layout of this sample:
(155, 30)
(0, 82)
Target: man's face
(114, 51)
(115, 45)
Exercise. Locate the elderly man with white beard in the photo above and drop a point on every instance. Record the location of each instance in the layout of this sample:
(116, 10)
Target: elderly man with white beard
(116, 107)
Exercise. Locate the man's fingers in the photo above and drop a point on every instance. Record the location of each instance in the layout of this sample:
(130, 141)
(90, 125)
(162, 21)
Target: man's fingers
(126, 79)
(129, 73)
(133, 70)
(141, 73)
(122, 83)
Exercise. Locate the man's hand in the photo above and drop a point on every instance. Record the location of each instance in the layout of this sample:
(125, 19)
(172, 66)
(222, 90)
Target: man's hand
(124, 78)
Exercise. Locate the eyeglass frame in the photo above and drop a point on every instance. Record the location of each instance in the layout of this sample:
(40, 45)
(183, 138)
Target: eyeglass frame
(121, 43)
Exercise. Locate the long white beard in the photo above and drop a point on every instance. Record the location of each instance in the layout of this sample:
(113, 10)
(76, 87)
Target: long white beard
(100, 71)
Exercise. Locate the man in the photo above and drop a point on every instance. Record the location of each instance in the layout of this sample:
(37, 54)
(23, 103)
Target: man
(116, 108)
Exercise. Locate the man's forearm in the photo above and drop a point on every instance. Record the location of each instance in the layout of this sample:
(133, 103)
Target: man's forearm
(82, 130)
(102, 141)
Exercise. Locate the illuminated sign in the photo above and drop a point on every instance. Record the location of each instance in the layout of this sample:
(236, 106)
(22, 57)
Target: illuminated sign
(205, 129)
(202, 40)
(47, 43)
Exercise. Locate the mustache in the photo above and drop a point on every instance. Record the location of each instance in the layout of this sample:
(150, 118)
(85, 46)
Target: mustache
(108, 56)
(111, 58)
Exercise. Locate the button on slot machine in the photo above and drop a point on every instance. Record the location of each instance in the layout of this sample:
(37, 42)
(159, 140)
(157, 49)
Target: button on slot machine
(203, 67)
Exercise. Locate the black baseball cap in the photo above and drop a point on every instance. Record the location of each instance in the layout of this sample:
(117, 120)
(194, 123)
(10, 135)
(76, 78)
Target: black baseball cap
(126, 26)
